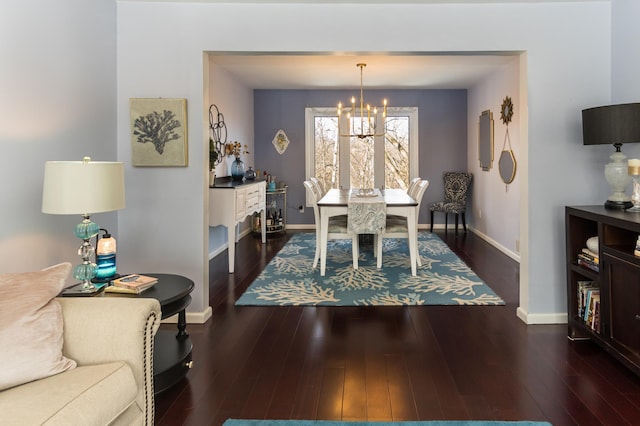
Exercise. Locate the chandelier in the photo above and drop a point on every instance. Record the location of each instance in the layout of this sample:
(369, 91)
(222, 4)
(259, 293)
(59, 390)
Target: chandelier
(371, 119)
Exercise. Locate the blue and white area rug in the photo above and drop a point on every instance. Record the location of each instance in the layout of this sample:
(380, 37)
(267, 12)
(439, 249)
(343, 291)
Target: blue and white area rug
(443, 279)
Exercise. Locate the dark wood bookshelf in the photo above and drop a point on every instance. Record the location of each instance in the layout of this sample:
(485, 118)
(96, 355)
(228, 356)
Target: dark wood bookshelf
(618, 279)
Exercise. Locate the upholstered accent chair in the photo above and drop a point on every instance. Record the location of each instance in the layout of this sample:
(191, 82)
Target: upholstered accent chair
(456, 188)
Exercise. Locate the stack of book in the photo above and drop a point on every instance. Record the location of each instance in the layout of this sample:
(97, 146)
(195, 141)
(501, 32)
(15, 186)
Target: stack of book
(588, 259)
(589, 304)
(132, 284)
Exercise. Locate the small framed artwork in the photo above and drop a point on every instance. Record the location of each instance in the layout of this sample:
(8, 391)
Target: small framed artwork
(159, 132)
(280, 141)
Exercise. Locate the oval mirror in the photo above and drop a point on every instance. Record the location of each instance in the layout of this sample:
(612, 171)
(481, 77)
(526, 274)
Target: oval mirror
(507, 166)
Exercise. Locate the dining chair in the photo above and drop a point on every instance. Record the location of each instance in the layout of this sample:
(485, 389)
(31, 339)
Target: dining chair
(412, 185)
(396, 226)
(337, 229)
(456, 188)
(368, 216)
(411, 191)
(318, 187)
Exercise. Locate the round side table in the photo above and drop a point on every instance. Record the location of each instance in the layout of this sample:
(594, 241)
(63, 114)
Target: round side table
(172, 351)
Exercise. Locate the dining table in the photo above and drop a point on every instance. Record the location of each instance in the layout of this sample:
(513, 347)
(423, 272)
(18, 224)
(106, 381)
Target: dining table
(336, 201)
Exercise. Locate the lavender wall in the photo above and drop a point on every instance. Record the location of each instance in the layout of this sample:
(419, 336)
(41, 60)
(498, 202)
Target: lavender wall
(442, 129)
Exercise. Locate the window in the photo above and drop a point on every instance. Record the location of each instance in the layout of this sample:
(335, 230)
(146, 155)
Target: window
(388, 162)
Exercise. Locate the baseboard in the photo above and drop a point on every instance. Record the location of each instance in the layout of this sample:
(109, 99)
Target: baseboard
(192, 317)
(301, 226)
(513, 255)
(225, 246)
(530, 319)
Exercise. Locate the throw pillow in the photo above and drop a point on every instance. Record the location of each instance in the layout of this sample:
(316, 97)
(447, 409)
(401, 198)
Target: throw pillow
(31, 326)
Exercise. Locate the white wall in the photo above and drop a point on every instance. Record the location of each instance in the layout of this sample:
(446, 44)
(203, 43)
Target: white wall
(235, 102)
(568, 54)
(495, 211)
(57, 102)
(625, 62)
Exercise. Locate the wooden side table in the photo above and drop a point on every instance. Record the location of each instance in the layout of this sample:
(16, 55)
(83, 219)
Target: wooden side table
(172, 352)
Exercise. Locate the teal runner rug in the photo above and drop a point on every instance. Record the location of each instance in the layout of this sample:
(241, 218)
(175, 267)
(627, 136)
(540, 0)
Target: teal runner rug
(232, 422)
(443, 279)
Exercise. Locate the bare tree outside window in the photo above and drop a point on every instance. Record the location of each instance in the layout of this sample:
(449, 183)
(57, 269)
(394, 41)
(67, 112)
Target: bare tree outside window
(396, 153)
(327, 166)
(361, 153)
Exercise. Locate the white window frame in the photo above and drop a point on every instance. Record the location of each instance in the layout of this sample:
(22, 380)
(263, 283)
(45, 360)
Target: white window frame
(311, 113)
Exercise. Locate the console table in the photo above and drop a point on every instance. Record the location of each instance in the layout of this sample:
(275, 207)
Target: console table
(230, 202)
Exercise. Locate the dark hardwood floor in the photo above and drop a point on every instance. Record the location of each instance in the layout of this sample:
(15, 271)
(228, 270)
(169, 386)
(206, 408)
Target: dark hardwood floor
(391, 363)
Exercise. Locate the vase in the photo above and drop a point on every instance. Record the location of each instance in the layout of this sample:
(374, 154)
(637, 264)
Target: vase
(250, 174)
(237, 169)
(212, 178)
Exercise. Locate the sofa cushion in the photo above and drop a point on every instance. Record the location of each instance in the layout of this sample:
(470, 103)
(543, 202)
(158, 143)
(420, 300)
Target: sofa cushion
(87, 395)
(31, 320)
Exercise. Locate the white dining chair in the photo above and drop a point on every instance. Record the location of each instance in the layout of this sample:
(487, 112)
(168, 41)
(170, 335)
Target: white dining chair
(396, 226)
(368, 216)
(337, 229)
(318, 187)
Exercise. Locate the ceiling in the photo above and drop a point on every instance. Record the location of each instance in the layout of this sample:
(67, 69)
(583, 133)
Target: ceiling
(339, 71)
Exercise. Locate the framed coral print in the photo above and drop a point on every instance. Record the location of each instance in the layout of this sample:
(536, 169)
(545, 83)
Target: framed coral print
(158, 132)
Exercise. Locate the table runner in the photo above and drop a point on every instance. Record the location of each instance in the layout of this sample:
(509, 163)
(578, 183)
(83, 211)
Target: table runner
(366, 212)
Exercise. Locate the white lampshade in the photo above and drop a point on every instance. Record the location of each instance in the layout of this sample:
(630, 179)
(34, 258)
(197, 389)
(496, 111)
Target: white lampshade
(82, 187)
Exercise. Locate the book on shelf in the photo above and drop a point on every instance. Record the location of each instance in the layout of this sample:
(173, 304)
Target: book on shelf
(583, 288)
(135, 282)
(588, 304)
(588, 264)
(590, 255)
(594, 310)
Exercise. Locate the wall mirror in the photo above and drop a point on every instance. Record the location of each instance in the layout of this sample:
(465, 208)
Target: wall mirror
(507, 166)
(485, 140)
(507, 161)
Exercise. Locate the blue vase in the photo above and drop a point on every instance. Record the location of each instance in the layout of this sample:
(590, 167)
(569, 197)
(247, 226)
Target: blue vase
(237, 169)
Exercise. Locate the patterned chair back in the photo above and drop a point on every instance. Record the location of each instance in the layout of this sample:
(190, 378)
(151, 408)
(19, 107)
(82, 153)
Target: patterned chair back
(456, 187)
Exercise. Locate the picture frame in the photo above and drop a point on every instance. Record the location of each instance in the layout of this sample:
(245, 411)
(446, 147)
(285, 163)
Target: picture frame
(158, 132)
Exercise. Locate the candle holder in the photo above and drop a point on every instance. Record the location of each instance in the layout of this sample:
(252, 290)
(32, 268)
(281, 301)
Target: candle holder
(634, 171)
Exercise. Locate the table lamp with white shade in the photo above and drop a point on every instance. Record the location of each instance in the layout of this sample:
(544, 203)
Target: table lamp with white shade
(83, 187)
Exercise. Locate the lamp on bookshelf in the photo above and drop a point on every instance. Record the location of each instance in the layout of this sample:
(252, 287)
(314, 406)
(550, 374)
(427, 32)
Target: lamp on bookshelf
(613, 124)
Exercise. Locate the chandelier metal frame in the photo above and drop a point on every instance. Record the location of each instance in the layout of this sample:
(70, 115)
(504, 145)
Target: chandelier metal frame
(372, 124)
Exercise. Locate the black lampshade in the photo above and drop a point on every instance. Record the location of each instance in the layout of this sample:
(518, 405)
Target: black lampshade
(611, 124)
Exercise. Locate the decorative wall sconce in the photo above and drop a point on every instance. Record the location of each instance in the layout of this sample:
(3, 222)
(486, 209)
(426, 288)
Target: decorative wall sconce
(507, 163)
(217, 136)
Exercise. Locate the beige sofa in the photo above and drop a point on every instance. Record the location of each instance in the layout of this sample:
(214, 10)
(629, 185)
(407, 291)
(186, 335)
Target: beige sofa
(111, 339)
